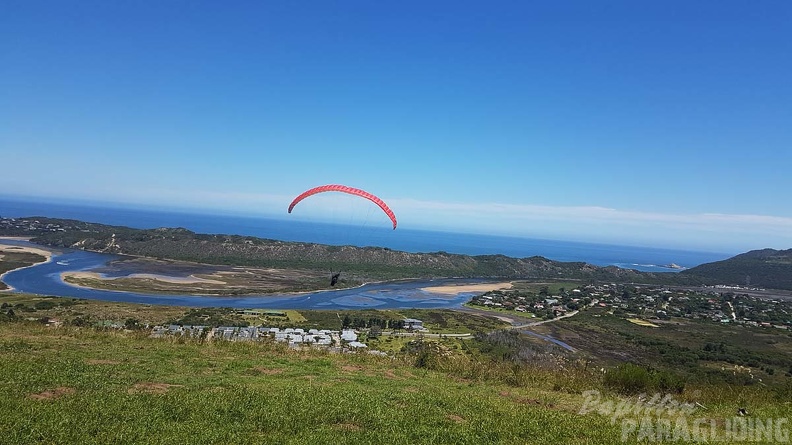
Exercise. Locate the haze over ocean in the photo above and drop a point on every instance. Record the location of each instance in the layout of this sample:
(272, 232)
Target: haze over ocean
(641, 258)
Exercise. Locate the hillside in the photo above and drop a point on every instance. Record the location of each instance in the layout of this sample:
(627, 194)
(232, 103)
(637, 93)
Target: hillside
(78, 385)
(768, 268)
(363, 263)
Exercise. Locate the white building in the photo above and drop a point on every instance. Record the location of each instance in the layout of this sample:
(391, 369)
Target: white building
(413, 324)
(348, 335)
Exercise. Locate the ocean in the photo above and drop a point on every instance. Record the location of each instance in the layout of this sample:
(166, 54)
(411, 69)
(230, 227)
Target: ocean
(404, 239)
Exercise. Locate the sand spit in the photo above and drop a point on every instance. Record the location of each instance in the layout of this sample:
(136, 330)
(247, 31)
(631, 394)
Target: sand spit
(164, 278)
(454, 289)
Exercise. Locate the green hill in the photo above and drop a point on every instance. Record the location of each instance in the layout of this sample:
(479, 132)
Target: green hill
(364, 264)
(768, 268)
(762, 268)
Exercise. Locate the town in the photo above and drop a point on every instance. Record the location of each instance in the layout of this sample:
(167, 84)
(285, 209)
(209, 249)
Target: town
(718, 304)
(24, 226)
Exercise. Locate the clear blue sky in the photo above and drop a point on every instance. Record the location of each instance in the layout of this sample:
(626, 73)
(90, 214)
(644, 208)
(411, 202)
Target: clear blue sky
(650, 123)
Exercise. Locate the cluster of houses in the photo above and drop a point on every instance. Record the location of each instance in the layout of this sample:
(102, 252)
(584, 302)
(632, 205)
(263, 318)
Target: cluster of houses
(711, 304)
(345, 339)
(541, 305)
(294, 337)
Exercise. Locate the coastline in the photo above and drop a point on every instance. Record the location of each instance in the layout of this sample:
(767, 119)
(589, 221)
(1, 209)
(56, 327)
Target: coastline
(47, 254)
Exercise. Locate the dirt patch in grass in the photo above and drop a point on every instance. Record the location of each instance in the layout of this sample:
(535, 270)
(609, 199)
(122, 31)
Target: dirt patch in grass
(391, 375)
(267, 371)
(412, 389)
(350, 427)
(525, 400)
(408, 374)
(351, 368)
(152, 388)
(53, 393)
(455, 418)
(102, 362)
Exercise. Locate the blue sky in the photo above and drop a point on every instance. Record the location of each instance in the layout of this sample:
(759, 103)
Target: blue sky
(665, 124)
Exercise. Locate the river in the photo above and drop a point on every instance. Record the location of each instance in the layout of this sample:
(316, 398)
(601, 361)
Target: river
(45, 279)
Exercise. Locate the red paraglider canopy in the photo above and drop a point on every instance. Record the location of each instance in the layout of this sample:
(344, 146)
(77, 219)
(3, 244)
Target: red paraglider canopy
(351, 191)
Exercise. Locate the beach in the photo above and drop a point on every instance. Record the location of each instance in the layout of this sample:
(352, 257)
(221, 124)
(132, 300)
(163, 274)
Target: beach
(454, 289)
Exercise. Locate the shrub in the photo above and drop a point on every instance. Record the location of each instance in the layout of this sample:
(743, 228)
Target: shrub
(632, 379)
(44, 305)
(628, 378)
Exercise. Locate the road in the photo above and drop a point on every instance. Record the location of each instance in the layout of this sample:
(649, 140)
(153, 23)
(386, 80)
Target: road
(541, 322)
(428, 335)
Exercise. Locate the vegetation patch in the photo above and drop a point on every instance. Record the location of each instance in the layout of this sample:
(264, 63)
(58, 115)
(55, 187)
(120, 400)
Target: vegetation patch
(633, 379)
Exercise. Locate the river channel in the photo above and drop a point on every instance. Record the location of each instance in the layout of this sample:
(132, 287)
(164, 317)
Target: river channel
(45, 279)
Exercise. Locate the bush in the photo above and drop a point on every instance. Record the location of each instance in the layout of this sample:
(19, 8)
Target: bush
(426, 354)
(44, 305)
(668, 382)
(633, 379)
(628, 379)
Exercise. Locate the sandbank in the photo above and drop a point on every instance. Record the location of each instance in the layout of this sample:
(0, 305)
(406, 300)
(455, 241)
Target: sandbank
(454, 289)
(164, 278)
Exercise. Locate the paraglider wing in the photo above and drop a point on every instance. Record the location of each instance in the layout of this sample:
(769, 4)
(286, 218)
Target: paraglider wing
(351, 191)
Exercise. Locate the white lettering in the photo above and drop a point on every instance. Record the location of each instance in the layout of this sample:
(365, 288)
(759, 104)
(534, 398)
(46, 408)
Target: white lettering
(591, 399)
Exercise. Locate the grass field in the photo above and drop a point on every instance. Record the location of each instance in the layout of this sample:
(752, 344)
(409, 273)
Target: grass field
(71, 385)
(81, 386)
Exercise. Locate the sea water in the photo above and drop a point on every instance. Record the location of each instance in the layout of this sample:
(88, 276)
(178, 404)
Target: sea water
(404, 239)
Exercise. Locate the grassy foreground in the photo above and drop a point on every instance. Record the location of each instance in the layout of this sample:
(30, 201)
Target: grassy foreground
(78, 385)
(70, 385)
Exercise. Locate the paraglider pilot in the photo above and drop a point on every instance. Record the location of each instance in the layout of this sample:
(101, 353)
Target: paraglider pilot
(334, 278)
